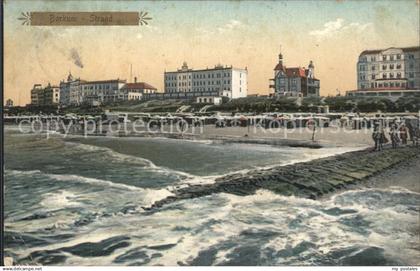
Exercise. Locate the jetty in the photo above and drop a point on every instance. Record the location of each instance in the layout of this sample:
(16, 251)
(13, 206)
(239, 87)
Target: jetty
(310, 180)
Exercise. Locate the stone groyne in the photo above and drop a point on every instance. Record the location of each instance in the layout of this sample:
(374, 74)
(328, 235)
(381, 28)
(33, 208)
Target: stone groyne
(311, 180)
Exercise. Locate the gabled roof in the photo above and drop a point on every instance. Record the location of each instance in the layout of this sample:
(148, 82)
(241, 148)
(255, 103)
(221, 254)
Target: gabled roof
(279, 67)
(139, 85)
(295, 71)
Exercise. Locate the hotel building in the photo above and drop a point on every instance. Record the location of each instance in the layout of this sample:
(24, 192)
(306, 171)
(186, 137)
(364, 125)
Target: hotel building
(219, 81)
(135, 91)
(50, 95)
(392, 68)
(390, 73)
(104, 91)
(295, 81)
(70, 91)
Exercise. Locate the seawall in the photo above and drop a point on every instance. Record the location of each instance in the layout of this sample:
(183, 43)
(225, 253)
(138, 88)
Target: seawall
(311, 180)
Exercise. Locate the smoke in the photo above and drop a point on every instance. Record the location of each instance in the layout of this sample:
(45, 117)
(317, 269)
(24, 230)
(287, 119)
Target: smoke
(74, 55)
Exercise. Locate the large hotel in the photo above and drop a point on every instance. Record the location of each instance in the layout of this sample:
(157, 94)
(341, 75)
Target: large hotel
(220, 81)
(391, 72)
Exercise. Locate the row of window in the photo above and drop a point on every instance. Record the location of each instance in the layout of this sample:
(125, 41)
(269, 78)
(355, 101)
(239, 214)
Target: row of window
(198, 76)
(387, 75)
(100, 87)
(390, 84)
(387, 57)
(385, 67)
(198, 83)
(293, 81)
(198, 89)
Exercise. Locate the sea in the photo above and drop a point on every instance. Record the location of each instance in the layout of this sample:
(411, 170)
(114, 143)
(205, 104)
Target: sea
(78, 201)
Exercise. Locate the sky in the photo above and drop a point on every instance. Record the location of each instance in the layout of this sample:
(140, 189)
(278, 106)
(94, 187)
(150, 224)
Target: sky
(204, 33)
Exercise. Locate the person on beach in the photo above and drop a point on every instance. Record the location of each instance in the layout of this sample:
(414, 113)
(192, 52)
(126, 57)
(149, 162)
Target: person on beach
(403, 134)
(377, 136)
(416, 136)
(393, 133)
(411, 131)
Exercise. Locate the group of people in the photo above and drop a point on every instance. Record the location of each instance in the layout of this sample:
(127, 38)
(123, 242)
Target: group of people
(398, 133)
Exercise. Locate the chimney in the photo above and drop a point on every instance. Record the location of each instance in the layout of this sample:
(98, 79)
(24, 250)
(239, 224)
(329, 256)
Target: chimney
(135, 79)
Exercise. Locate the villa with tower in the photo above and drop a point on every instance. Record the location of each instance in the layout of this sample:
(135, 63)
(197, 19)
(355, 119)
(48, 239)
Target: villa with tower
(294, 81)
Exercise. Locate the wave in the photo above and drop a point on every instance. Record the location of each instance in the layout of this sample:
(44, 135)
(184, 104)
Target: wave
(149, 165)
(116, 155)
(151, 195)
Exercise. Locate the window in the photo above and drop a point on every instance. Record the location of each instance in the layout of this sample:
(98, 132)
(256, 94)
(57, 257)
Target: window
(398, 56)
(386, 85)
(411, 74)
(391, 75)
(411, 66)
(384, 76)
(410, 56)
(373, 76)
(398, 75)
(398, 66)
(372, 85)
(384, 58)
(391, 57)
(380, 85)
(391, 66)
(373, 68)
(372, 58)
(383, 67)
(391, 85)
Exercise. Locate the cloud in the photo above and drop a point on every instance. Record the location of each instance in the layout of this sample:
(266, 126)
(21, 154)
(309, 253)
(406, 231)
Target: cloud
(74, 55)
(232, 24)
(203, 31)
(336, 27)
(229, 26)
(330, 28)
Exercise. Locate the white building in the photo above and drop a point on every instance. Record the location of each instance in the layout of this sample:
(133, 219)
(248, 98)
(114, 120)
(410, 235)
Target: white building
(98, 92)
(135, 91)
(228, 81)
(50, 95)
(389, 69)
(70, 91)
(209, 100)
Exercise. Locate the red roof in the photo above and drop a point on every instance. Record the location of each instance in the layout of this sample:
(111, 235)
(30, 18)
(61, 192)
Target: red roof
(294, 72)
(139, 85)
